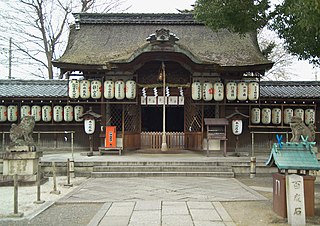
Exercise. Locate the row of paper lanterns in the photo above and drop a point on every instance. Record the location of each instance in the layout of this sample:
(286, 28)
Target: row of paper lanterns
(274, 115)
(234, 91)
(85, 89)
(44, 113)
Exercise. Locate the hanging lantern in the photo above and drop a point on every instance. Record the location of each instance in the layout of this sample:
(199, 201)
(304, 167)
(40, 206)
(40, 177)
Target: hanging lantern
(287, 115)
(25, 110)
(253, 91)
(266, 116)
(74, 89)
(255, 115)
(96, 89)
(84, 89)
(3, 113)
(242, 91)
(299, 112)
(207, 91)
(231, 91)
(309, 116)
(218, 91)
(89, 126)
(36, 112)
(108, 89)
(196, 91)
(276, 116)
(237, 127)
(12, 113)
(46, 113)
(68, 113)
(119, 90)
(57, 113)
(131, 89)
(78, 111)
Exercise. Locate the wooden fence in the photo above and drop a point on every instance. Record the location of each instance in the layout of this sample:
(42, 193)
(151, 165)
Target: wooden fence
(153, 140)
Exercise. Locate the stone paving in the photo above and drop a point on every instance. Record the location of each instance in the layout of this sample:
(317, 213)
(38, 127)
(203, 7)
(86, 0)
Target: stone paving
(161, 201)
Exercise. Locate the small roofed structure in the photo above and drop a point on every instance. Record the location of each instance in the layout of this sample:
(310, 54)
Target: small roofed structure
(294, 156)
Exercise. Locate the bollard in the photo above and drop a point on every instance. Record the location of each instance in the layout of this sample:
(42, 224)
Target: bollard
(252, 167)
(39, 201)
(54, 191)
(68, 174)
(15, 197)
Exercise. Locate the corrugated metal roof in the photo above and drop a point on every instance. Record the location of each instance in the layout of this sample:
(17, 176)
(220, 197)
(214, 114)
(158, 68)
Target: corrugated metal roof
(33, 88)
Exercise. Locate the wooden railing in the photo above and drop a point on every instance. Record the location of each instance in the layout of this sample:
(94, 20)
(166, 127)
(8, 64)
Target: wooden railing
(153, 140)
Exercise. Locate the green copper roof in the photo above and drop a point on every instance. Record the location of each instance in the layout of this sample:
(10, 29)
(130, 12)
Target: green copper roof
(293, 156)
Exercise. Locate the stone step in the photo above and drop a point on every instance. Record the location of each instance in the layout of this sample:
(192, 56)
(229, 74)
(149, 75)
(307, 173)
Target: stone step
(162, 169)
(159, 163)
(162, 174)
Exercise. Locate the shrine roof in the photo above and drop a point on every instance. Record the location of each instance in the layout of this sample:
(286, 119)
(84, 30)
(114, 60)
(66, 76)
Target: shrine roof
(293, 156)
(59, 88)
(33, 88)
(290, 89)
(102, 40)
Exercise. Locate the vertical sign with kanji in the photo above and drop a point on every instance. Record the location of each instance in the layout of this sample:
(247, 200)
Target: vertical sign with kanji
(295, 200)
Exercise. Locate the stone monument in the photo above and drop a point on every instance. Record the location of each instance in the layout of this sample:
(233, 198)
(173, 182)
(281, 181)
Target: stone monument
(21, 157)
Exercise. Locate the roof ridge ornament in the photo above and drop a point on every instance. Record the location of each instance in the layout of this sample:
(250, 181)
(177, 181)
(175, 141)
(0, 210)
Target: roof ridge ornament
(162, 35)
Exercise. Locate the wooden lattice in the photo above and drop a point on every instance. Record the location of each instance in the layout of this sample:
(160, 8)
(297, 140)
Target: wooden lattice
(132, 118)
(193, 116)
(116, 116)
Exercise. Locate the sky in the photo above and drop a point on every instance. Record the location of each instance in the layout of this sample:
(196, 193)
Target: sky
(302, 69)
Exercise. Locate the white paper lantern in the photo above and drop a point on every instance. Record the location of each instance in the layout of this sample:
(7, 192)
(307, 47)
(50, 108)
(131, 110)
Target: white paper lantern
(276, 116)
(36, 112)
(46, 113)
(287, 115)
(196, 91)
(3, 113)
(68, 113)
(78, 112)
(89, 126)
(84, 89)
(237, 127)
(255, 115)
(242, 91)
(207, 91)
(57, 113)
(25, 110)
(253, 91)
(12, 113)
(231, 91)
(218, 91)
(131, 89)
(299, 112)
(108, 89)
(74, 89)
(96, 89)
(309, 116)
(119, 90)
(266, 116)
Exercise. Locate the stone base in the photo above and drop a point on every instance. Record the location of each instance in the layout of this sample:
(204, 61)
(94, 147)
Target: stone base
(21, 163)
(22, 180)
(24, 148)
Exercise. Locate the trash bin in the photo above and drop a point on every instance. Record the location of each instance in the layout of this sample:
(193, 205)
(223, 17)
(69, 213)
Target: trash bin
(279, 194)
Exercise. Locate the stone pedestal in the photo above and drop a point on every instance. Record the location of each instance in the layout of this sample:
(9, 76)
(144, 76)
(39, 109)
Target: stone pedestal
(22, 163)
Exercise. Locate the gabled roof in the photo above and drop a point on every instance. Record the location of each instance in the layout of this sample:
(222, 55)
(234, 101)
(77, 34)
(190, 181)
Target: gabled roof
(33, 88)
(103, 39)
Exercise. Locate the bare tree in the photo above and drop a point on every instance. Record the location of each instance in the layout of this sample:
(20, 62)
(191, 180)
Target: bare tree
(272, 49)
(39, 29)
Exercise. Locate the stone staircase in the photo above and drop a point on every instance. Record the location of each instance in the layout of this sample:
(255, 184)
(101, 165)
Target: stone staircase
(162, 169)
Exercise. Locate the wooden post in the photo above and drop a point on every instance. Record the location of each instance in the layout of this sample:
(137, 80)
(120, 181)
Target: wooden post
(15, 197)
(38, 201)
(68, 174)
(54, 191)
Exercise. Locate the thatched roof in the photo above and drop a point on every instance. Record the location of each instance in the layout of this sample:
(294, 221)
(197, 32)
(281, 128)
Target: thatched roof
(103, 39)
